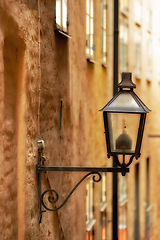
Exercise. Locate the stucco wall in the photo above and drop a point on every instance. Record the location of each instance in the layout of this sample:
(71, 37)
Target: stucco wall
(71, 93)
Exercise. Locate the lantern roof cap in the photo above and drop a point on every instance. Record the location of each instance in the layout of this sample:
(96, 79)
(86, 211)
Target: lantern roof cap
(126, 101)
(126, 81)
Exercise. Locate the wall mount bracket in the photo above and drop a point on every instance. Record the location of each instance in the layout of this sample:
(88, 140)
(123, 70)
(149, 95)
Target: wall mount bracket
(95, 171)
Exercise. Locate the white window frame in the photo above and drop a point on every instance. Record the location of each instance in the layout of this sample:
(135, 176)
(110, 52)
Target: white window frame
(158, 60)
(148, 18)
(149, 57)
(103, 207)
(123, 43)
(138, 11)
(123, 205)
(104, 32)
(138, 49)
(90, 44)
(61, 15)
(90, 221)
(124, 6)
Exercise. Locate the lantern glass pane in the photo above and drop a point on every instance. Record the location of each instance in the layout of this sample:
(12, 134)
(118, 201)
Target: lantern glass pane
(123, 130)
(124, 100)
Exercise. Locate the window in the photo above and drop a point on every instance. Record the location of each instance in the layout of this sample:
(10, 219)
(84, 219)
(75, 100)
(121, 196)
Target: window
(122, 231)
(158, 59)
(124, 6)
(103, 208)
(137, 39)
(90, 45)
(103, 31)
(123, 44)
(156, 23)
(148, 18)
(149, 57)
(148, 206)
(138, 11)
(90, 221)
(136, 217)
(157, 41)
(61, 15)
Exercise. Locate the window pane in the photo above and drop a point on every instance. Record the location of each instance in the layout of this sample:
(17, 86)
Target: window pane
(123, 44)
(148, 17)
(137, 11)
(91, 26)
(104, 42)
(149, 57)
(137, 51)
(104, 18)
(64, 12)
(87, 24)
(103, 31)
(91, 45)
(58, 12)
(124, 5)
(87, 6)
(91, 199)
(87, 203)
(92, 8)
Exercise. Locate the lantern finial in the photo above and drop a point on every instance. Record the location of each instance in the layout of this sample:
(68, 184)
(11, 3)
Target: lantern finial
(126, 81)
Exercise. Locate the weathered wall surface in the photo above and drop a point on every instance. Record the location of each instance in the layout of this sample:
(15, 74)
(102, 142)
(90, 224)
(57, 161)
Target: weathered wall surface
(19, 77)
(75, 139)
(18, 43)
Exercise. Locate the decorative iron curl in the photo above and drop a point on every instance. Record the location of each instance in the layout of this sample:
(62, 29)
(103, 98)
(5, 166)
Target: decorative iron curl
(130, 161)
(124, 164)
(55, 198)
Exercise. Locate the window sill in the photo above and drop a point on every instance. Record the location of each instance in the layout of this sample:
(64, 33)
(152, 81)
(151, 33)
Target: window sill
(124, 13)
(138, 76)
(90, 224)
(90, 60)
(62, 33)
(138, 21)
(138, 24)
(123, 202)
(104, 65)
(103, 206)
(149, 208)
(148, 79)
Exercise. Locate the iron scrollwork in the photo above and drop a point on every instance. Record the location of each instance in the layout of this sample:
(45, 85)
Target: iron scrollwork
(55, 199)
(124, 165)
(96, 172)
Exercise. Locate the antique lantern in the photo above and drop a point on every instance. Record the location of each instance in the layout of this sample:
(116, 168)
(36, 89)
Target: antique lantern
(124, 120)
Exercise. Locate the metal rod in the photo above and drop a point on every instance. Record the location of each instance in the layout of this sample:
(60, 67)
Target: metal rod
(115, 89)
(80, 169)
(60, 124)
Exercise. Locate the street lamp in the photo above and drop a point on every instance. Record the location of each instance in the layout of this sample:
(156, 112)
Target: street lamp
(122, 137)
(124, 120)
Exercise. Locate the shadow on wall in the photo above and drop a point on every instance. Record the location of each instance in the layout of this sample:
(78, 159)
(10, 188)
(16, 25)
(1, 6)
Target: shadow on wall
(13, 57)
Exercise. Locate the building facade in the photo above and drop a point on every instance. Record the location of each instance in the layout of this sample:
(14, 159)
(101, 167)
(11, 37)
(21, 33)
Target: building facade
(139, 46)
(56, 73)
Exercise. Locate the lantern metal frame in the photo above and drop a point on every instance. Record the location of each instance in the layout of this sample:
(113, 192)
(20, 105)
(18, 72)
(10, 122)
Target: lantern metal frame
(141, 110)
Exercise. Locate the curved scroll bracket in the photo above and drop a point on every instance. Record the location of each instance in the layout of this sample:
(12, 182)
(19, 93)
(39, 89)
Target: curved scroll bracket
(53, 199)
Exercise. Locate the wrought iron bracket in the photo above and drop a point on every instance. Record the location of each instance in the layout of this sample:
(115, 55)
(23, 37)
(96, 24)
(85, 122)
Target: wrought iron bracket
(95, 171)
